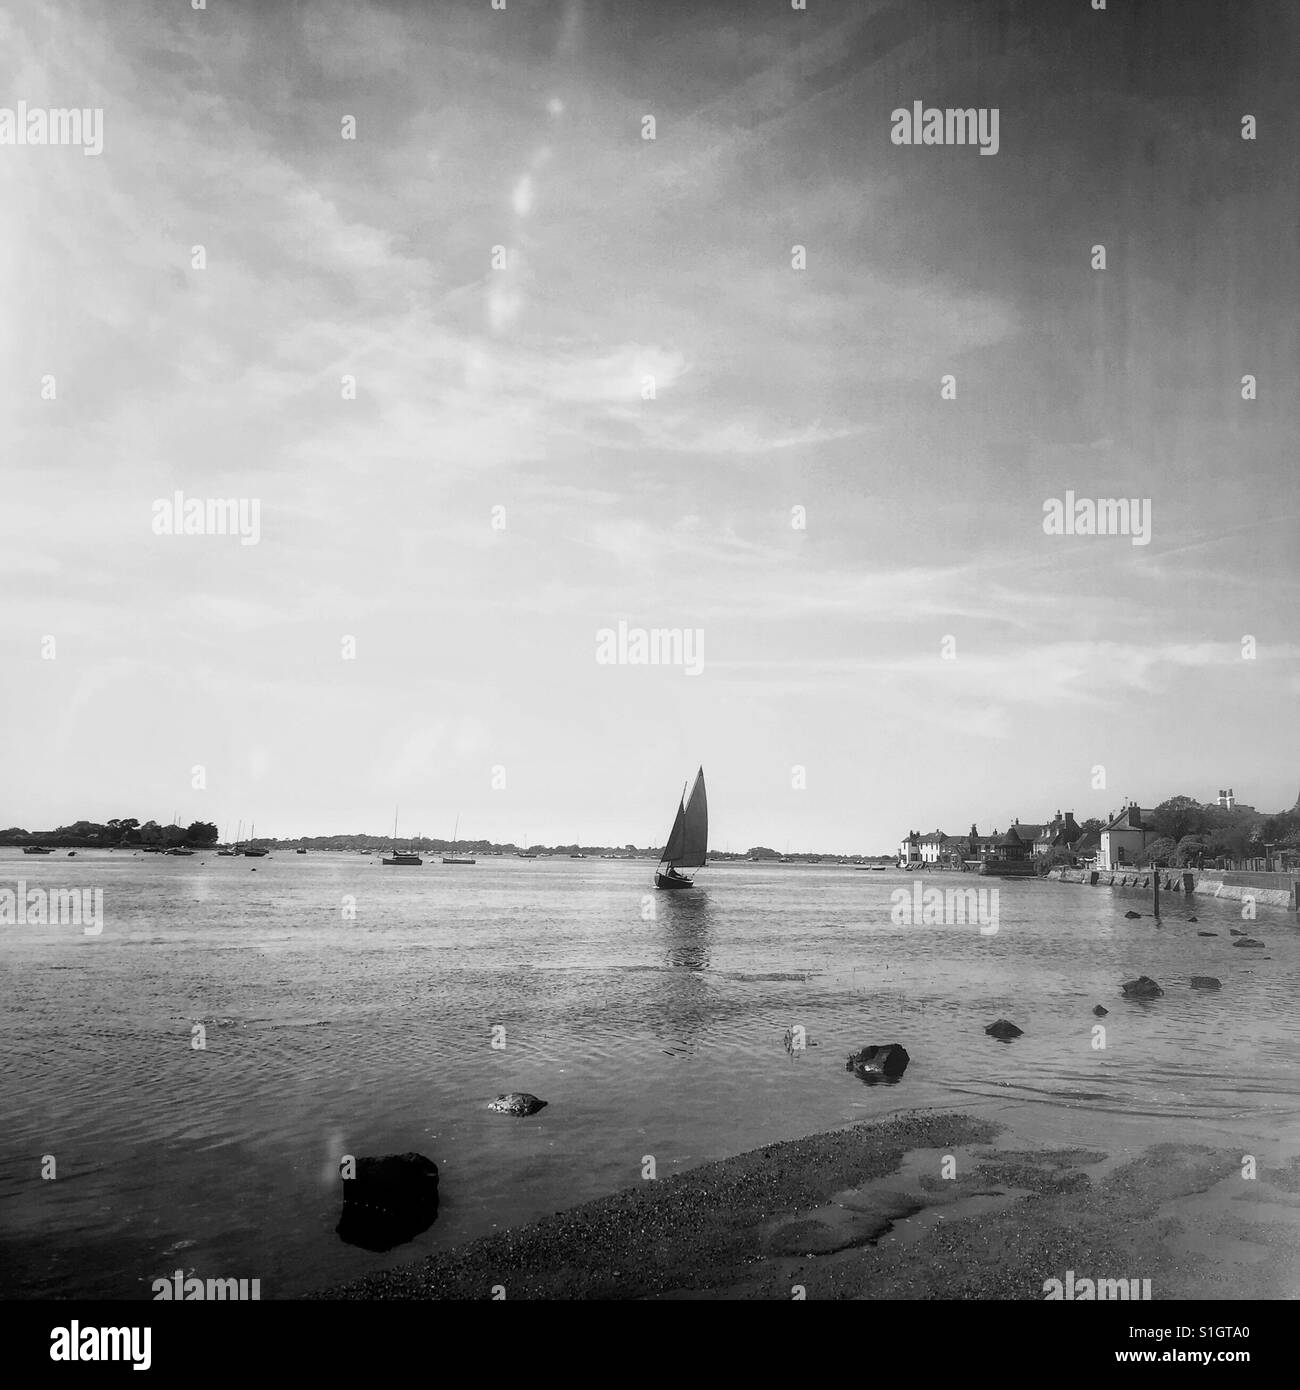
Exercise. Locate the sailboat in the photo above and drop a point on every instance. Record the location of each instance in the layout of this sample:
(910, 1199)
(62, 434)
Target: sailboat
(525, 853)
(230, 853)
(453, 857)
(249, 851)
(688, 842)
(400, 858)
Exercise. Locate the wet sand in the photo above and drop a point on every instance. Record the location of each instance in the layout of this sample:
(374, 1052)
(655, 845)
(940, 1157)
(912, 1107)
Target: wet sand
(922, 1206)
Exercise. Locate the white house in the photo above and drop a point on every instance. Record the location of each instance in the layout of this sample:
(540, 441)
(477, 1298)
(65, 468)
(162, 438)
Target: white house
(932, 847)
(1125, 838)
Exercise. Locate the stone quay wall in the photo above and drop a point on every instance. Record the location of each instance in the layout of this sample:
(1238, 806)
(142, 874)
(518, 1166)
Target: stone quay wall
(1272, 890)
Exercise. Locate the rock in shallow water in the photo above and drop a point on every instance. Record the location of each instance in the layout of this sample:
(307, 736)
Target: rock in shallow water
(1003, 1029)
(1205, 982)
(389, 1201)
(1132, 914)
(1247, 941)
(1144, 987)
(1207, 933)
(886, 1062)
(517, 1103)
(1099, 1011)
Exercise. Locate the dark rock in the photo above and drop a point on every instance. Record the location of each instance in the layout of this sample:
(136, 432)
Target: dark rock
(1099, 1011)
(390, 1201)
(886, 1062)
(1205, 982)
(1207, 933)
(1004, 1030)
(1232, 931)
(1191, 919)
(1132, 914)
(1144, 987)
(517, 1103)
(1247, 941)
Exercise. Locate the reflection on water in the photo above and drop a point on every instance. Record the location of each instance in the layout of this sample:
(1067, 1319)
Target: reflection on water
(685, 919)
(373, 1035)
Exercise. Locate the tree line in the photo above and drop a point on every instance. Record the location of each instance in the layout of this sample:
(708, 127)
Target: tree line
(86, 834)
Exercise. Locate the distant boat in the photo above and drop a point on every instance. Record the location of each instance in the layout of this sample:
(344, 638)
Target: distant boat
(453, 857)
(72, 854)
(525, 853)
(234, 849)
(399, 857)
(688, 841)
(180, 849)
(300, 851)
(36, 849)
(249, 852)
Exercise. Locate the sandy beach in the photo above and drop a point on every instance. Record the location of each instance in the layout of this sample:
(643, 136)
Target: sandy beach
(867, 1212)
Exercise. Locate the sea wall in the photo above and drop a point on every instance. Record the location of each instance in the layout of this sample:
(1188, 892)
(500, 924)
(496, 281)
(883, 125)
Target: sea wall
(1272, 890)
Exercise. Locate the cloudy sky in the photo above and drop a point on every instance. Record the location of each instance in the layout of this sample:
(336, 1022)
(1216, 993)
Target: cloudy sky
(520, 394)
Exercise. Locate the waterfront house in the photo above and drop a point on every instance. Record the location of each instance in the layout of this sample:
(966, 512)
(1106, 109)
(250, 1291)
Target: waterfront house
(909, 849)
(931, 846)
(980, 847)
(1012, 847)
(1058, 834)
(1028, 833)
(1124, 838)
(1086, 849)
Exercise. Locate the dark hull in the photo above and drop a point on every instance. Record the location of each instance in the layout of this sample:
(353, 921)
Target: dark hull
(413, 860)
(450, 859)
(663, 880)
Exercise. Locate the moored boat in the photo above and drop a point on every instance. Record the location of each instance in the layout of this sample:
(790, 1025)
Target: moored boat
(453, 857)
(250, 851)
(399, 857)
(36, 849)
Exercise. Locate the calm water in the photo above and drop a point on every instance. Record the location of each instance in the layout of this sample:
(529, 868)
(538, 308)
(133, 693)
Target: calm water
(328, 1036)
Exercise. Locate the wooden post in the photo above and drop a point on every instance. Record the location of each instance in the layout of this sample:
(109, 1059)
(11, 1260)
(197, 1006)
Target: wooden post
(1155, 890)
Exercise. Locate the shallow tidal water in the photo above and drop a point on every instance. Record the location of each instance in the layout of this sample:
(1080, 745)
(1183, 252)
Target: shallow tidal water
(328, 1035)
